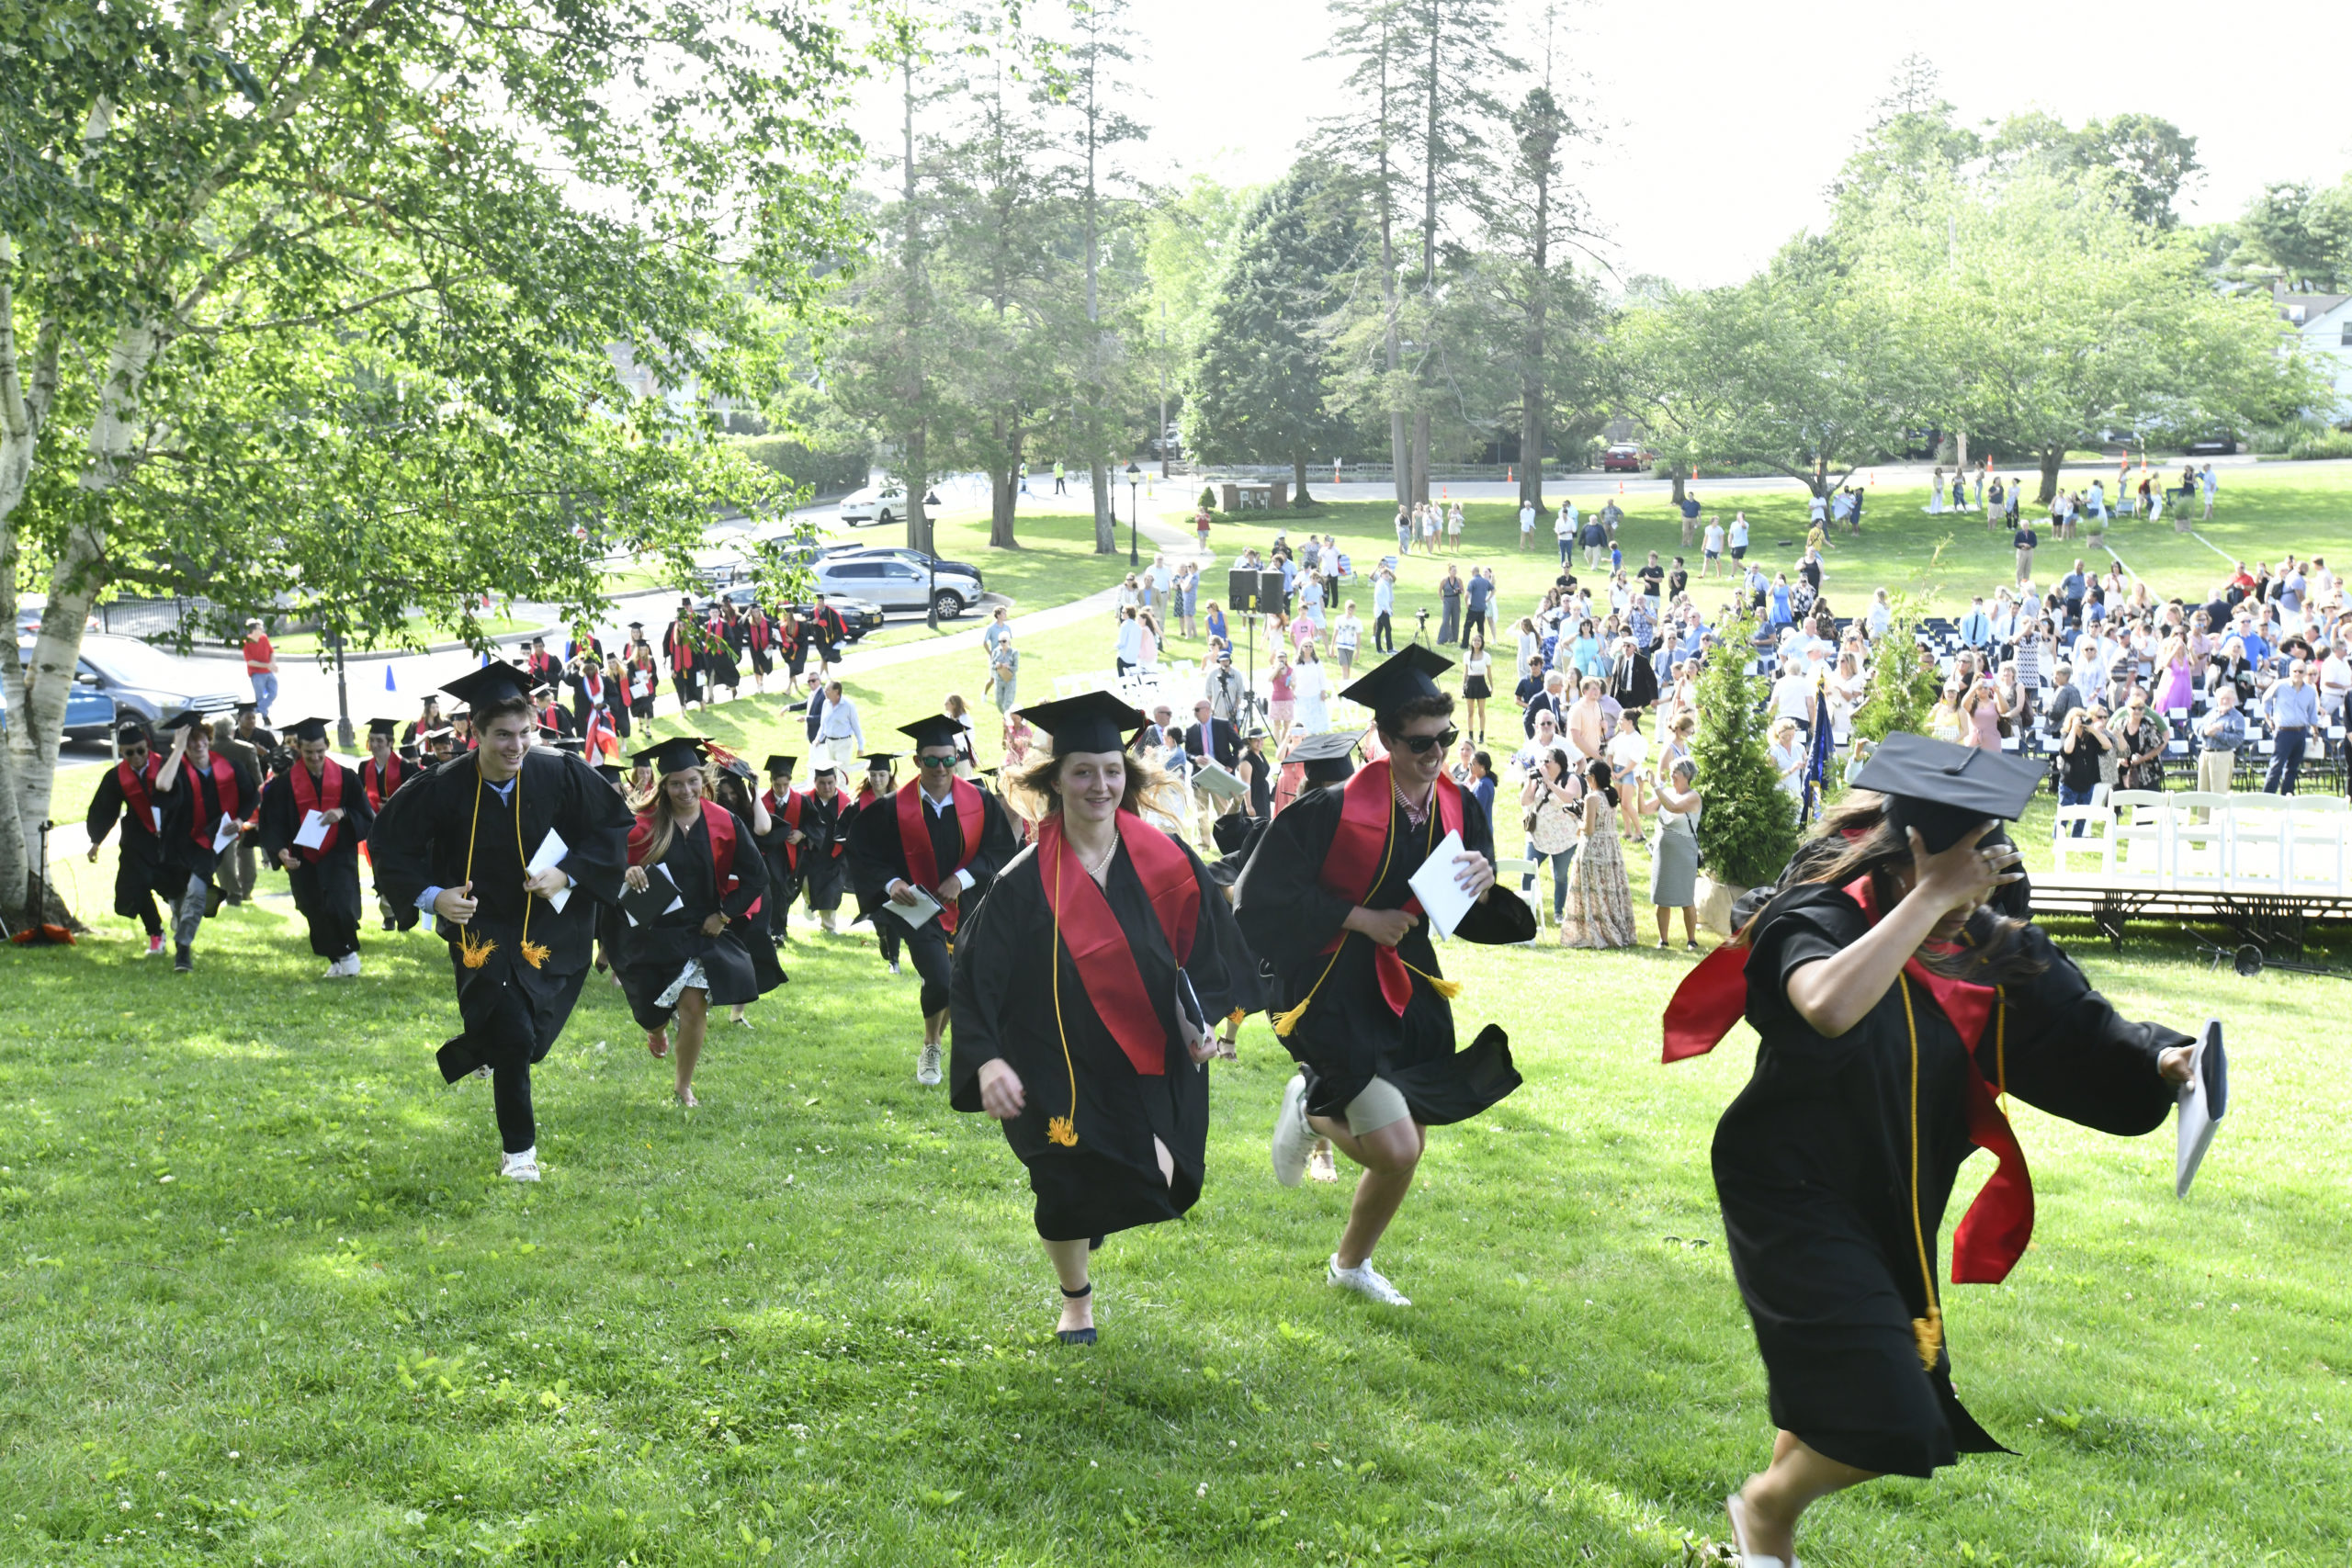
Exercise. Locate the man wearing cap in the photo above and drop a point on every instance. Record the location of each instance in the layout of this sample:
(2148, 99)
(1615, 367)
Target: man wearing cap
(823, 869)
(315, 816)
(545, 667)
(1887, 1041)
(680, 641)
(381, 773)
(782, 845)
(938, 841)
(1328, 900)
(206, 797)
(127, 791)
(252, 747)
(456, 845)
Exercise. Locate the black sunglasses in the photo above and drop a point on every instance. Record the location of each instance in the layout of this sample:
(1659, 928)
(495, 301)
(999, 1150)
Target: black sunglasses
(928, 762)
(1419, 745)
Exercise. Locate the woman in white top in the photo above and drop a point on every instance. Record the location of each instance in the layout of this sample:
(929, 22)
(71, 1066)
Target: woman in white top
(1130, 594)
(1788, 756)
(1454, 530)
(1307, 691)
(1846, 689)
(1550, 799)
(1628, 751)
(1310, 601)
(1347, 635)
(1149, 645)
(1429, 528)
(1882, 616)
(1935, 507)
(1478, 685)
(1531, 641)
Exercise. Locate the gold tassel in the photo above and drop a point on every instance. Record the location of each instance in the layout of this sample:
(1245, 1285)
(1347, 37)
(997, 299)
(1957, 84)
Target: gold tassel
(474, 951)
(1059, 1130)
(1929, 1332)
(1444, 987)
(535, 954)
(1236, 1016)
(1286, 1022)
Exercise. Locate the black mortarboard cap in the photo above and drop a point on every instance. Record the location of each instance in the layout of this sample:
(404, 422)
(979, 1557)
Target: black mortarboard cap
(933, 729)
(879, 761)
(679, 754)
(494, 682)
(186, 719)
(383, 726)
(609, 772)
(1328, 759)
(433, 737)
(1409, 674)
(305, 730)
(1945, 790)
(129, 734)
(780, 763)
(1092, 721)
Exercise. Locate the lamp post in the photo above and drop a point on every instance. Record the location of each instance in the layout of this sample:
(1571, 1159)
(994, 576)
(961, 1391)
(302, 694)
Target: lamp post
(931, 557)
(1135, 476)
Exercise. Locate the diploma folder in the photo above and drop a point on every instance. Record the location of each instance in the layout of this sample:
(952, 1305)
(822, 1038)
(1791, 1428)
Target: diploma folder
(915, 914)
(550, 850)
(2203, 1099)
(313, 831)
(660, 897)
(1218, 781)
(1442, 899)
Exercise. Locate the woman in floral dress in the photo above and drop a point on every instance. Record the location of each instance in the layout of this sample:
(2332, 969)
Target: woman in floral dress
(1601, 901)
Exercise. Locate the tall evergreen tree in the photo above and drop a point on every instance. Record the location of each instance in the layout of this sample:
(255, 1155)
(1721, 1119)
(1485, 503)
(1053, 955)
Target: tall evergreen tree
(1749, 827)
(1261, 391)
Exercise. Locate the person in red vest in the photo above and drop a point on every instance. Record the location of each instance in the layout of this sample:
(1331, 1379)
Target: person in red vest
(321, 801)
(780, 845)
(921, 858)
(1087, 989)
(127, 791)
(680, 642)
(381, 773)
(1327, 899)
(736, 787)
(822, 863)
(206, 797)
(1885, 1040)
(677, 963)
(880, 783)
(545, 667)
(756, 639)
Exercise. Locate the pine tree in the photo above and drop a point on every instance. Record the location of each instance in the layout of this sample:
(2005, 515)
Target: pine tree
(1903, 681)
(1748, 826)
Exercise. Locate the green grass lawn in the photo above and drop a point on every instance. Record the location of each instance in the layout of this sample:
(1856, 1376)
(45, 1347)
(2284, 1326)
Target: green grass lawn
(268, 1300)
(422, 629)
(1054, 564)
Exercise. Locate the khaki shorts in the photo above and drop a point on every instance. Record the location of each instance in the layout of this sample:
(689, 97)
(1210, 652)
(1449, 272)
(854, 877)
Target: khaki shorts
(1381, 1104)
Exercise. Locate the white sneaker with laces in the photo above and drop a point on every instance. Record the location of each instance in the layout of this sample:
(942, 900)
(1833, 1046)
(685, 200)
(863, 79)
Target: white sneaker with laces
(927, 1067)
(351, 965)
(1364, 1279)
(524, 1167)
(1294, 1139)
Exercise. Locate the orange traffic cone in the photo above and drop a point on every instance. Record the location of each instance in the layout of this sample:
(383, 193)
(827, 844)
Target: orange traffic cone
(1508, 474)
(1621, 486)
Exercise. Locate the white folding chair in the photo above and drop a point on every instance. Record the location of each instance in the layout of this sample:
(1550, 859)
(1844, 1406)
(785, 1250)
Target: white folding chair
(1505, 871)
(2316, 830)
(2200, 829)
(2139, 841)
(2255, 849)
(2098, 821)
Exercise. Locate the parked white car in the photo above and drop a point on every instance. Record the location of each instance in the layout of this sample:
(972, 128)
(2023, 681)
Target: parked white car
(884, 503)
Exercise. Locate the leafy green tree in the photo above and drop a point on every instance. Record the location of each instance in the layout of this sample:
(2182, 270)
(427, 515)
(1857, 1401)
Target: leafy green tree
(2306, 234)
(1261, 392)
(315, 305)
(2145, 159)
(1749, 829)
(1904, 683)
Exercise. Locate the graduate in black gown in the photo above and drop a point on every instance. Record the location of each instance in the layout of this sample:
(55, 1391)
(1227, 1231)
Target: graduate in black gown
(734, 786)
(1086, 989)
(456, 845)
(880, 783)
(822, 858)
(1326, 900)
(326, 878)
(781, 841)
(675, 965)
(941, 837)
(381, 773)
(206, 797)
(127, 791)
(1895, 1006)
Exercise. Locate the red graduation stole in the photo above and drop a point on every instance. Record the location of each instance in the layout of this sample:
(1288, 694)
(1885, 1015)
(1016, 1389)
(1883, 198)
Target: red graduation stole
(787, 808)
(720, 824)
(757, 625)
(680, 651)
(1098, 947)
(135, 791)
(309, 797)
(1998, 1225)
(379, 783)
(224, 787)
(914, 838)
(1359, 852)
(602, 738)
(591, 686)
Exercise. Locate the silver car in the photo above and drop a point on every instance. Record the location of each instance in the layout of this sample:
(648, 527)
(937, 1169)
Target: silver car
(898, 586)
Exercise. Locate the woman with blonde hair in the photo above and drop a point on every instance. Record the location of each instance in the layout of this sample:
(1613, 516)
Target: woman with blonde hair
(1600, 911)
(1084, 995)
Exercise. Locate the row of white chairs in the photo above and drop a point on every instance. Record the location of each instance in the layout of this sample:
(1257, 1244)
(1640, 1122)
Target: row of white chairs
(2190, 840)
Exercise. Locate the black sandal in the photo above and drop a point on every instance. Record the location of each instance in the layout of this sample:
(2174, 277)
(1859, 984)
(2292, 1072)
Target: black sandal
(1075, 1335)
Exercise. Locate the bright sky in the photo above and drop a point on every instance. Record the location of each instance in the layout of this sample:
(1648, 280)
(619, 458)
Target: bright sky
(1723, 119)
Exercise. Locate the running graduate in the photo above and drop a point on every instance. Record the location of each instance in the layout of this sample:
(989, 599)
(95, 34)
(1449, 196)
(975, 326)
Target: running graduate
(1895, 1007)
(127, 791)
(1327, 900)
(1099, 1075)
(324, 874)
(456, 845)
(939, 841)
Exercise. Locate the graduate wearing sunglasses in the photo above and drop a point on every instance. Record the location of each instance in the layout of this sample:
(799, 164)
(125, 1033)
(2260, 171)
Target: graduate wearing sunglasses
(938, 838)
(1362, 1005)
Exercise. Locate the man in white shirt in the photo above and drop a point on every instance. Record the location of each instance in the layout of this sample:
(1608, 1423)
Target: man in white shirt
(839, 737)
(2334, 680)
(1711, 555)
(1792, 694)
(1526, 523)
(1564, 528)
(1739, 535)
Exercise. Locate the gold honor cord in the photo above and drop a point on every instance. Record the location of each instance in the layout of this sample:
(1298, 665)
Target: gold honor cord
(1928, 1330)
(1062, 1130)
(1285, 1022)
(475, 951)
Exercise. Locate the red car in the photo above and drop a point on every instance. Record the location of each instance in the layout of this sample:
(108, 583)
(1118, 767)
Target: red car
(1624, 458)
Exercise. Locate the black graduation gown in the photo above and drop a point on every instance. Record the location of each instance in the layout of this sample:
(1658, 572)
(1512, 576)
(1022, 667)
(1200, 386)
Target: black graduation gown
(1812, 1167)
(195, 798)
(1348, 1035)
(649, 957)
(327, 892)
(781, 857)
(877, 858)
(824, 866)
(140, 871)
(512, 1011)
(1002, 1007)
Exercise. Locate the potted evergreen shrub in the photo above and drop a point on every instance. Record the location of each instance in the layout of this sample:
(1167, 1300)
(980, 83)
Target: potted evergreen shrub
(1748, 827)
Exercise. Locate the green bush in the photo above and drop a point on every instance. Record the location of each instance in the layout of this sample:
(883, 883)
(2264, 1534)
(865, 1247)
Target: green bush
(1904, 683)
(1748, 828)
(831, 472)
(1208, 498)
(2322, 444)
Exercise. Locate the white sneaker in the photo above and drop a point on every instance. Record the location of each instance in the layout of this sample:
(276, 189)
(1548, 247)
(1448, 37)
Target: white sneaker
(1294, 1139)
(1364, 1279)
(927, 1067)
(894, 966)
(351, 964)
(525, 1167)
